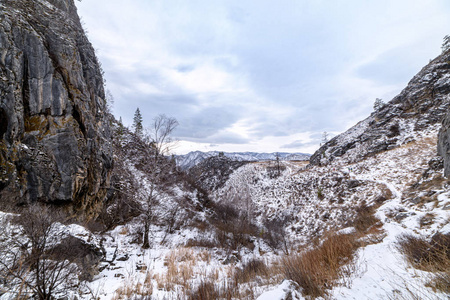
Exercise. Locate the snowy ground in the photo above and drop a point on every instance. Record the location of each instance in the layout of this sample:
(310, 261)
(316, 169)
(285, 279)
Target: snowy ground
(319, 199)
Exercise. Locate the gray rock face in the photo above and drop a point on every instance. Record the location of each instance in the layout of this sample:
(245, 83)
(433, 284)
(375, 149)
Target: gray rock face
(54, 135)
(444, 138)
(421, 105)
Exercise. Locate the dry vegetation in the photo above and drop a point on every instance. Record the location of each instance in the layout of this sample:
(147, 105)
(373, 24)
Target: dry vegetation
(431, 255)
(318, 269)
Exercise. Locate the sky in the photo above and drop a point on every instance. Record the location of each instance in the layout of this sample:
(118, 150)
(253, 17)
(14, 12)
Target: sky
(259, 75)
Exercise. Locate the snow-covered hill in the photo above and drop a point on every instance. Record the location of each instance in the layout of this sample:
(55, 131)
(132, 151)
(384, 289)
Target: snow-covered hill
(191, 159)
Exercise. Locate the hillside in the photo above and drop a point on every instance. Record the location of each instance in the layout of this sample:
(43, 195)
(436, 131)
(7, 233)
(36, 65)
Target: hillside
(193, 158)
(420, 107)
(90, 209)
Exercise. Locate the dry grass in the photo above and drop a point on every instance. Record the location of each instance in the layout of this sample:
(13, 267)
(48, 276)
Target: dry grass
(249, 271)
(209, 290)
(431, 255)
(135, 290)
(368, 227)
(180, 265)
(203, 242)
(426, 220)
(318, 269)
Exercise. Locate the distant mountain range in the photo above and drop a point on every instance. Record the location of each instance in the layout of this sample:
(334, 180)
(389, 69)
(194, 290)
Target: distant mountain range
(191, 159)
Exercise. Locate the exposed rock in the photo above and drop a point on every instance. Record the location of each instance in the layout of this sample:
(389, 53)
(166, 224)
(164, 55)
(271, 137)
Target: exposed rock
(87, 256)
(422, 104)
(436, 163)
(54, 136)
(213, 172)
(444, 139)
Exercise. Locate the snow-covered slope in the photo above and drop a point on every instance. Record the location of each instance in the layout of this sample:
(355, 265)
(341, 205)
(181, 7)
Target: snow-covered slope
(422, 104)
(317, 200)
(193, 158)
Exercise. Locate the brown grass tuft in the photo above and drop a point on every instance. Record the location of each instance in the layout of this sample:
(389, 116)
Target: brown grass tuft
(428, 255)
(365, 218)
(318, 269)
(431, 255)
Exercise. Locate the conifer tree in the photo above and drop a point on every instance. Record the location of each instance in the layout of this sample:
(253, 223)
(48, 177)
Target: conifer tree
(120, 129)
(137, 123)
(446, 43)
(378, 104)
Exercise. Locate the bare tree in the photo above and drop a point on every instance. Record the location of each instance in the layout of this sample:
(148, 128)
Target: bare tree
(157, 165)
(32, 258)
(277, 157)
(324, 138)
(276, 235)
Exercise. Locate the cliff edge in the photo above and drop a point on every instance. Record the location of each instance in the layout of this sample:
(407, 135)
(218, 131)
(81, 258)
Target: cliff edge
(54, 134)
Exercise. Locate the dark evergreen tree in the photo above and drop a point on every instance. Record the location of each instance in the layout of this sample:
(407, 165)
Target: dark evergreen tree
(137, 123)
(446, 43)
(378, 104)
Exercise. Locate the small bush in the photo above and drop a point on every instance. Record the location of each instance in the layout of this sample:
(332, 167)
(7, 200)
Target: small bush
(365, 218)
(428, 255)
(233, 228)
(205, 291)
(209, 290)
(275, 235)
(317, 269)
(431, 255)
(250, 270)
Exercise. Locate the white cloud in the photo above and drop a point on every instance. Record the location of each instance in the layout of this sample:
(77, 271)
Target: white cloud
(244, 75)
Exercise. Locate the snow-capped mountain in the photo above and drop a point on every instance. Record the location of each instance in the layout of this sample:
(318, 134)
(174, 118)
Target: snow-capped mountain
(191, 159)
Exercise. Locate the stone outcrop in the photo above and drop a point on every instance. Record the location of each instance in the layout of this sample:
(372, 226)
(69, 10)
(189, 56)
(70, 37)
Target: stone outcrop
(54, 133)
(212, 173)
(421, 106)
(444, 144)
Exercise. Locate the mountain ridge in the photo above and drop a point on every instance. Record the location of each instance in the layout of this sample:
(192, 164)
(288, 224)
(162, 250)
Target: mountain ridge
(421, 105)
(193, 158)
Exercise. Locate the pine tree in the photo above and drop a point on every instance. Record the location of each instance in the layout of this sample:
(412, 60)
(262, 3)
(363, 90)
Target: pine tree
(137, 123)
(446, 43)
(378, 104)
(120, 129)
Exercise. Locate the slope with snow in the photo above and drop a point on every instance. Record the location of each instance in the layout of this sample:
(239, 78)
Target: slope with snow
(193, 158)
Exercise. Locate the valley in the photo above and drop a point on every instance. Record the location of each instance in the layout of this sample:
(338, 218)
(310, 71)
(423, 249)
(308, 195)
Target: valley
(93, 209)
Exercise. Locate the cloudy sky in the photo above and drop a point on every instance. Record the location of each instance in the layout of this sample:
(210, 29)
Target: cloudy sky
(259, 75)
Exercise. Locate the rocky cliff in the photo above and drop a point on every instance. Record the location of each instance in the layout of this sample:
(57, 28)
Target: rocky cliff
(54, 135)
(444, 134)
(420, 107)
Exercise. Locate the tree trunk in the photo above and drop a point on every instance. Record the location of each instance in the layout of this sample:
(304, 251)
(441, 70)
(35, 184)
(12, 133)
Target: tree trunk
(146, 243)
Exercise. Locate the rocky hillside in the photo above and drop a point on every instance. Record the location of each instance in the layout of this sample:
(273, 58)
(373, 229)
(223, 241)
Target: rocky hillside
(419, 107)
(54, 136)
(213, 172)
(193, 158)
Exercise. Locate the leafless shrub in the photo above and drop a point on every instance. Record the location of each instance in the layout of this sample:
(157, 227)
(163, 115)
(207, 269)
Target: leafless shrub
(275, 234)
(34, 260)
(233, 228)
(202, 242)
(318, 269)
(250, 270)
